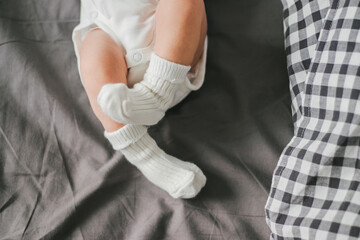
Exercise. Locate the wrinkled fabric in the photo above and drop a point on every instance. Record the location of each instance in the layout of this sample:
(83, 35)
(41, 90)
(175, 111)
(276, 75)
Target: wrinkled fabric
(60, 178)
(315, 189)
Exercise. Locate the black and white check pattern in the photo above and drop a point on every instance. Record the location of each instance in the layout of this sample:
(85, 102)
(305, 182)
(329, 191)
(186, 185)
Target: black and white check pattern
(315, 192)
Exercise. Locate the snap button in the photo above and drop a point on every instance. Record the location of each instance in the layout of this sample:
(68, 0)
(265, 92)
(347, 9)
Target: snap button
(93, 14)
(137, 57)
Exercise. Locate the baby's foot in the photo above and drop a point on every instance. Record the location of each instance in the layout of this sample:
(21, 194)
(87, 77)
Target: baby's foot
(147, 102)
(199, 179)
(180, 179)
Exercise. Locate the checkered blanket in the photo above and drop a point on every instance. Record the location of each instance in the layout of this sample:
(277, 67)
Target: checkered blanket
(315, 192)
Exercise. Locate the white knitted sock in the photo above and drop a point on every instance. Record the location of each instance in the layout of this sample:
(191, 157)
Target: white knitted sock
(148, 100)
(178, 178)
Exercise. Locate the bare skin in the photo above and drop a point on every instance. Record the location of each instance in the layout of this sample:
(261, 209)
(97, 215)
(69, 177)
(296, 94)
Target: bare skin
(180, 34)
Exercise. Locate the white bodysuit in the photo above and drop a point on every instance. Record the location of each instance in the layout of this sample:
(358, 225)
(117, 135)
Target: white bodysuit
(131, 24)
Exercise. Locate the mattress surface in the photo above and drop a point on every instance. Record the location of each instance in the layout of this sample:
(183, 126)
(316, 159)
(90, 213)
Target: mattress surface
(60, 178)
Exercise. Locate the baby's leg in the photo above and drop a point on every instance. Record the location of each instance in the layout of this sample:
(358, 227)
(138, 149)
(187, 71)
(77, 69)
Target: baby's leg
(180, 36)
(102, 62)
(180, 30)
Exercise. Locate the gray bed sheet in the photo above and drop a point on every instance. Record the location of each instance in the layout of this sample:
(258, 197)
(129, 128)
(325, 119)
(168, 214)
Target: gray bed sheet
(60, 178)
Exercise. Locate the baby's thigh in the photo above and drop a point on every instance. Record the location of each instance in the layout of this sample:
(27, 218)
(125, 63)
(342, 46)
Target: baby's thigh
(102, 61)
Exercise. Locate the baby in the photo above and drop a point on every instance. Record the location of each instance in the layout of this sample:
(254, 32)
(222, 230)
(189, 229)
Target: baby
(138, 58)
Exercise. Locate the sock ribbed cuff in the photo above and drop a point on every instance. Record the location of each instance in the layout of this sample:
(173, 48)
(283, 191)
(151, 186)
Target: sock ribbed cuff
(167, 70)
(125, 136)
(144, 150)
(159, 86)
